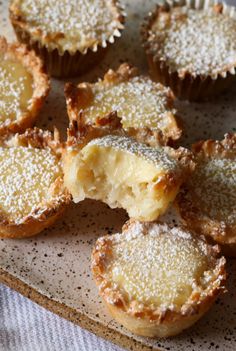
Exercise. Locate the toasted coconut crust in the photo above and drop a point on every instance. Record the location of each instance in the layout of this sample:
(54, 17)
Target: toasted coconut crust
(81, 96)
(46, 214)
(144, 319)
(184, 84)
(192, 215)
(33, 64)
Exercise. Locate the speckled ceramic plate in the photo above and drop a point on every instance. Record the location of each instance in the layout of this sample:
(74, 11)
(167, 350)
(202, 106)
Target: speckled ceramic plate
(53, 268)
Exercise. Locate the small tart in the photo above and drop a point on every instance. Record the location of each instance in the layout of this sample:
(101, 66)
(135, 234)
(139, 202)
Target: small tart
(157, 280)
(67, 33)
(190, 46)
(145, 108)
(123, 173)
(32, 194)
(23, 87)
(207, 201)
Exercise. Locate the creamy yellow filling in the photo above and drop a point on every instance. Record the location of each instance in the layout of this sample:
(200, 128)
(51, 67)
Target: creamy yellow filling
(161, 270)
(16, 90)
(25, 179)
(139, 102)
(104, 170)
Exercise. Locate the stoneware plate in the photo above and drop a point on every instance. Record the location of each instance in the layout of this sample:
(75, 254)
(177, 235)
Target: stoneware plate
(53, 268)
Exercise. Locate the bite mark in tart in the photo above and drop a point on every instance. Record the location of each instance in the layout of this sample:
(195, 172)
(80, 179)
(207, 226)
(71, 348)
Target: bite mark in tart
(157, 280)
(32, 193)
(123, 173)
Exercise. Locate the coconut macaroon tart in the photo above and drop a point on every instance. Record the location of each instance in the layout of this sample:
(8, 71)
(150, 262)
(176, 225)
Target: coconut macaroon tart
(157, 280)
(32, 193)
(145, 107)
(70, 35)
(190, 46)
(207, 201)
(24, 86)
(121, 172)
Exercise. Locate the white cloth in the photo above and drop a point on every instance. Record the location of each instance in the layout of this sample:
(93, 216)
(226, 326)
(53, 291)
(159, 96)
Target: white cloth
(25, 326)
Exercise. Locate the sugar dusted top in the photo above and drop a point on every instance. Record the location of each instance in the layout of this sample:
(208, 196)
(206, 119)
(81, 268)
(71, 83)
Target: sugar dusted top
(213, 189)
(16, 90)
(139, 102)
(71, 24)
(25, 178)
(158, 265)
(158, 155)
(201, 42)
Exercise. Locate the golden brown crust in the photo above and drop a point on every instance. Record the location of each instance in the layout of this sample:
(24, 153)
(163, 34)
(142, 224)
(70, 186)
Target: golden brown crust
(147, 320)
(81, 96)
(183, 83)
(44, 216)
(191, 212)
(33, 64)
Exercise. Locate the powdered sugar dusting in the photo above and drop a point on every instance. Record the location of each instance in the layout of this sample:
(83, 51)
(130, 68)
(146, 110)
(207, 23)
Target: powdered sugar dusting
(197, 41)
(79, 23)
(159, 155)
(16, 89)
(158, 265)
(139, 102)
(214, 188)
(25, 178)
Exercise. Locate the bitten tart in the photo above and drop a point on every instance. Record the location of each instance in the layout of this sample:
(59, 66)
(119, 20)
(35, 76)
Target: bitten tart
(123, 173)
(157, 280)
(191, 47)
(145, 108)
(207, 201)
(32, 193)
(70, 35)
(24, 86)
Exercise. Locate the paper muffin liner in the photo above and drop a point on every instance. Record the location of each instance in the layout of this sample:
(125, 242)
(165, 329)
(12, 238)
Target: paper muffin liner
(66, 64)
(189, 87)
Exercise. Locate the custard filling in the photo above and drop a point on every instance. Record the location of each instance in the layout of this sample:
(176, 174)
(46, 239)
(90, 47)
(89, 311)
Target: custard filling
(139, 103)
(104, 170)
(16, 90)
(161, 268)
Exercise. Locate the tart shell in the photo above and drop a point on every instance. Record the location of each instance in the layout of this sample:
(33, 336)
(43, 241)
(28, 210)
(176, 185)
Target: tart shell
(44, 216)
(142, 319)
(215, 229)
(186, 86)
(59, 63)
(79, 96)
(33, 64)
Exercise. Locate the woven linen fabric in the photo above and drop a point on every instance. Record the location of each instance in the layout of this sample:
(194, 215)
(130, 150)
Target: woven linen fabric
(25, 326)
